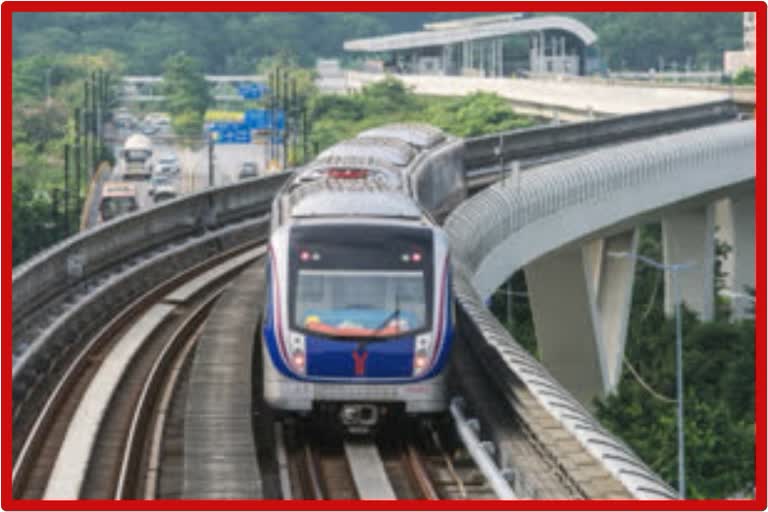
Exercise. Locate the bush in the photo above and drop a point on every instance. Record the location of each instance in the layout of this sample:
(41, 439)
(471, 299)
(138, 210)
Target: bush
(745, 76)
(188, 124)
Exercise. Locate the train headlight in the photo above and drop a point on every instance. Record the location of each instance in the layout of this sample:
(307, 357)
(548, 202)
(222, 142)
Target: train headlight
(422, 353)
(297, 351)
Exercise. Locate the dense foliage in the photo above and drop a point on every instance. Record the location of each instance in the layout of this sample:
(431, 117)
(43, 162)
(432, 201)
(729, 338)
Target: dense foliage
(239, 42)
(669, 40)
(338, 117)
(745, 76)
(46, 89)
(187, 94)
(719, 377)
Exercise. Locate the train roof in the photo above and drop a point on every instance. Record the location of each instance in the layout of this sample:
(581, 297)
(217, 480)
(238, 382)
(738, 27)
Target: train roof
(372, 149)
(363, 203)
(420, 135)
(329, 191)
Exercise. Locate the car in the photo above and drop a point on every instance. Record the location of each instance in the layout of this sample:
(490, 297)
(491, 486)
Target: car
(168, 164)
(149, 128)
(248, 170)
(158, 181)
(164, 193)
(124, 120)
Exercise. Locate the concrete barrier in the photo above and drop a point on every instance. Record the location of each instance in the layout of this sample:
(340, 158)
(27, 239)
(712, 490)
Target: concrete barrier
(93, 252)
(568, 100)
(540, 141)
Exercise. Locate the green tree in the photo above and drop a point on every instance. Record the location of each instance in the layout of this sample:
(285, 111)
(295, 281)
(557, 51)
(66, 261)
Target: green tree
(476, 114)
(338, 117)
(745, 76)
(718, 365)
(187, 94)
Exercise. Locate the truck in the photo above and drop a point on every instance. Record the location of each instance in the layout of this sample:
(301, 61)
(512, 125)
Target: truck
(117, 198)
(136, 158)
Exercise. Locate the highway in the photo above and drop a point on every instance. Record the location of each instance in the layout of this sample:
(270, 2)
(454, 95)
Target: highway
(193, 163)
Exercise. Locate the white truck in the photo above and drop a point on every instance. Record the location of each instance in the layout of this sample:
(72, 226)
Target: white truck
(136, 158)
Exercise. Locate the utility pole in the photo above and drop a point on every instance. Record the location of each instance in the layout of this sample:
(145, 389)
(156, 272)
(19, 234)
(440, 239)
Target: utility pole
(672, 269)
(55, 211)
(85, 125)
(76, 156)
(94, 124)
(66, 188)
(286, 124)
(210, 160)
(295, 114)
(271, 108)
(275, 119)
(305, 138)
(102, 110)
(107, 95)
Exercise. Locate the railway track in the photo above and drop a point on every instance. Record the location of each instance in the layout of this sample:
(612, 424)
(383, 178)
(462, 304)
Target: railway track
(99, 433)
(135, 447)
(407, 463)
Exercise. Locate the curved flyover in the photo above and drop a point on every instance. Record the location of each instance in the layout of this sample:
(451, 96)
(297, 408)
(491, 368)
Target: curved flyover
(552, 216)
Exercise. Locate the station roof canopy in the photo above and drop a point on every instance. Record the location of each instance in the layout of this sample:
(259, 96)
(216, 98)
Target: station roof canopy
(458, 32)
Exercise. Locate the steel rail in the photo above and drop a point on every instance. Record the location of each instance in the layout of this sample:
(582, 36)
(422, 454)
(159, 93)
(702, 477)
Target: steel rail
(45, 417)
(178, 346)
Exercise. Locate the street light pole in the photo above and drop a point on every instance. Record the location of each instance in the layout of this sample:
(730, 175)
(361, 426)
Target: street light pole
(679, 366)
(672, 269)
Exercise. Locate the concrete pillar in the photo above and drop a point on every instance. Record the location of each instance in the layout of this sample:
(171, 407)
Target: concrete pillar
(743, 214)
(614, 301)
(689, 236)
(580, 299)
(501, 57)
(468, 57)
(735, 220)
(564, 319)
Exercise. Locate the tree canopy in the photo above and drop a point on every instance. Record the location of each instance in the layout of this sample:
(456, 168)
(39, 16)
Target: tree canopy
(187, 94)
(238, 42)
(339, 117)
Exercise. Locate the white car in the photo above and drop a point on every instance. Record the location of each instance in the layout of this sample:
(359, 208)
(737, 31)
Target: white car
(168, 164)
(158, 181)
(164, 192)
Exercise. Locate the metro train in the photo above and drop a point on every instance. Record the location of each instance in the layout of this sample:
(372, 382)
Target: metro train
(358, 316)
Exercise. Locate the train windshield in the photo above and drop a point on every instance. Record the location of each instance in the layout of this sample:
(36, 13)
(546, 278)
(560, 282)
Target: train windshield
(112, 207)
(373, 282)
(360, 303)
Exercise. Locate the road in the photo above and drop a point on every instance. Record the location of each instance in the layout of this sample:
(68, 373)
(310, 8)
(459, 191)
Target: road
(193, 163)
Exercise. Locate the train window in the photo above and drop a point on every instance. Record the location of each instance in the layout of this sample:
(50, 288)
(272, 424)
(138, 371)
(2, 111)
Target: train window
(360, 303)
(312, 288)
(353, 281)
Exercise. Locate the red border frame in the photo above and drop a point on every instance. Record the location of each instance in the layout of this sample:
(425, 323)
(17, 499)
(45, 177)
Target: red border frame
(758, 503)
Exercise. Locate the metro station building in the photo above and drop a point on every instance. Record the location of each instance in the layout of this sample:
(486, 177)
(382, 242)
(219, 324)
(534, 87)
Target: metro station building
(487, 46)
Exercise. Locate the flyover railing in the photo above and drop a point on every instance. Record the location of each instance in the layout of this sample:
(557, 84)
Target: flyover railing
(541, 141)
(510, 224)
(92, 251)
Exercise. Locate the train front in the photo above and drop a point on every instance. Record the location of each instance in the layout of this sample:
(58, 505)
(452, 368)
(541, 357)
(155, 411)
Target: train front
(359, 320)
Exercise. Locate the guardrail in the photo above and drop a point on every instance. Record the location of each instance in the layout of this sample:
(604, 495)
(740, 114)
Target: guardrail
(89, 253)
(540, 141)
